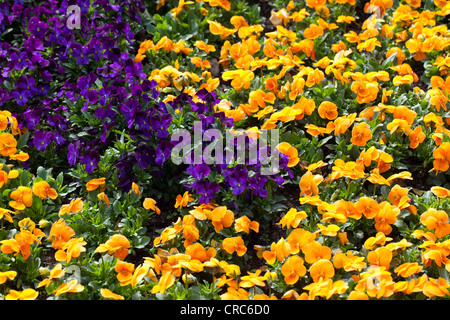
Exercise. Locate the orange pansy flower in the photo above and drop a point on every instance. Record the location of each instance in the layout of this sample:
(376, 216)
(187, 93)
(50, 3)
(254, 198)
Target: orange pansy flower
(60, 233)
(309, 183)
(72, 286)
(221, 218)
(436, 288)
(183, 200)
(298, 238)
(102, 197)
(361, 134)
(328, 110)
(315, 251)
(322, 270)
(108, 294)
(56, 273)
(27, 294)
(368, 207)
(95, 183)
(74, 206)
(150, 203)
(279, 250)
(436, 220)
(8, 144)
(71, 249)
(381, 257)
(290, 151)
(204, 46)
(440, 192)
(293, 269)
(22, 198)
(124, 272)
(43, 190)
(244, 224)
(416, 137)
(386, 217)
(408, 269)
(442, 157)
(234, 244)
(116, 245)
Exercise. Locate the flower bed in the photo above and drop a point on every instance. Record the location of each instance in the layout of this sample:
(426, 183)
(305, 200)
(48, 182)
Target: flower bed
(335, 114)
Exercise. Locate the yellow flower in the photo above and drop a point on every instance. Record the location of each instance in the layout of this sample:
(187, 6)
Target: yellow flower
(27, 294)
(7, 275)
(117, 245)
(72, 286)
(22, 198)
(225, 4)
(234, 244)
(244, 224)
(95, 183)
(108, 294)
(150, 203)
(292, 269)
(204, 47)
(408, 269)
(348, 261)
(165, 282)
(440, 192)
(56, 273)
(217, 29)
(292, 218)
(43, 190)
(369, 45)
(75, 205)
(361, 134)
(183, 200)
(240, 78)
(321, 270)
(8, 144)
(74, 247)
(252, 279)
(329, 230)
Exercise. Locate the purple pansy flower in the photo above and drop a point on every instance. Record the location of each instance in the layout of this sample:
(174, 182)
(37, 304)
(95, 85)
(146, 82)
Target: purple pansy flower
(21, 97)
(80, 53)
(207, 190)
(58, 138)
(37, 27)
(163, 152)
(20, 60)
(42, 139)
(160, 125)
(198, 171)
(73, 152)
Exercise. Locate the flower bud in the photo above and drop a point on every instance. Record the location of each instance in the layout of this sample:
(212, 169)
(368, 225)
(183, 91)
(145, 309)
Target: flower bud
(43, 223)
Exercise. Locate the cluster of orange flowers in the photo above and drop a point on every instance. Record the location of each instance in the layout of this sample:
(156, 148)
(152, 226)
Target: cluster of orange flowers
(318, 258)
(286, 78)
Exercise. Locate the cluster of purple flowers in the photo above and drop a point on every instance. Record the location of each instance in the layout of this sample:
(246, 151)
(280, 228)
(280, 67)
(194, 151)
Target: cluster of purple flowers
(46, 66)
(237, 180)
(208, 180)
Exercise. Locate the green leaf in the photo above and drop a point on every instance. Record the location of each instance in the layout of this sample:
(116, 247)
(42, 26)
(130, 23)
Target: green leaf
(23, 140)
(143, 241)
(42, 173)
(25, 178)
(389, 61)
(6, 192)
(60, 179)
